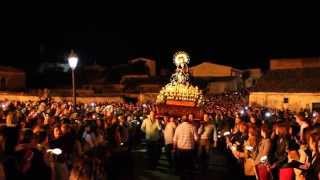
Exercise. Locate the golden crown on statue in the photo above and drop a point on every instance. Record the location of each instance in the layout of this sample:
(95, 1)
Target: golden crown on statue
(179, 89)
(181, 58)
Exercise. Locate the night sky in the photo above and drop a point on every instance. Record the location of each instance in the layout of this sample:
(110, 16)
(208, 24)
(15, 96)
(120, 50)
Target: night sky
(239, 42)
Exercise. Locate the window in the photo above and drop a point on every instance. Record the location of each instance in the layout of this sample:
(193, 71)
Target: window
(285, 100)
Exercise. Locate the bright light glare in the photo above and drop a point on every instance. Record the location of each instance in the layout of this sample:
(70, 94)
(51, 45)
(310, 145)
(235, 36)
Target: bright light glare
(263, 158)
(226, 133)
(268, 114)
(55, 151)
(73, 61)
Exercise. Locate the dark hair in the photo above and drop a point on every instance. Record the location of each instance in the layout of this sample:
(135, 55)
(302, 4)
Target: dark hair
(266, 130)
(294, 129)
(56, 125)
(244, 126)
(282, 129)
(301, 116)
(184, 118)
(66, 121)
(41, 136)
(315, 138)
(27, 136)
(12, 136)
(254, 116)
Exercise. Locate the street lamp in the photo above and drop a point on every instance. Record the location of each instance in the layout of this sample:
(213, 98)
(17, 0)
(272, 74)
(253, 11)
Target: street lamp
(73, 61)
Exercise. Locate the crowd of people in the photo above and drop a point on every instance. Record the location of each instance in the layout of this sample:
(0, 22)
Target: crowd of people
(259, 142)
(56, 140)
(282, 145)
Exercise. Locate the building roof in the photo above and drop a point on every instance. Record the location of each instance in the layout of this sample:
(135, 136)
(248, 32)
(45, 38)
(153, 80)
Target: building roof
(10, 69)
(215, 79)
(290, 80)
(203, 81)
(206, 63)
(294, 63)
(252, 70)
(140, 59)
(211, 69)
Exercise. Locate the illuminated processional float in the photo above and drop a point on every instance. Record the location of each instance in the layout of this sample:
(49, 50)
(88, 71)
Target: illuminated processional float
(179, 97)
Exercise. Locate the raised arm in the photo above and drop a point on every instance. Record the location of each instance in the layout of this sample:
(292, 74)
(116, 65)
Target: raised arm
(143, 126)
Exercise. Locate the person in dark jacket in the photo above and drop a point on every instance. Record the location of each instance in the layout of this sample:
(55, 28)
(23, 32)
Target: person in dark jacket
(280, 152)
(313, 166)
(31, 163)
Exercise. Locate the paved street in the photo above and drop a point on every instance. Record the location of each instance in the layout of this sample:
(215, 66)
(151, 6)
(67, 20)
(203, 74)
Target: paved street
(217, 168)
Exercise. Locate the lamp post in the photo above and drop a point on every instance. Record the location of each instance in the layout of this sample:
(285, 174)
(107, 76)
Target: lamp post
(73, 61)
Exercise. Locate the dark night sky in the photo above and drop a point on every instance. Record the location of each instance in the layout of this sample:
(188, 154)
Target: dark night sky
(237, 42)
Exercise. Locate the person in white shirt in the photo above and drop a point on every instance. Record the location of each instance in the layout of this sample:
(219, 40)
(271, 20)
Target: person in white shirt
(168, 139)
(207, 136)
(89, 136)
(184, 141)
(151, 127)
(303, 127)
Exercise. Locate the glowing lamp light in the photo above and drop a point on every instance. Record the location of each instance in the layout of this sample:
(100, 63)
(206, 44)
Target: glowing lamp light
(179, 89)
(268, 114)
(263, 159)
(73, 60)
(315, 114)
(55, 151)
(181, 58)
(226, 133)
